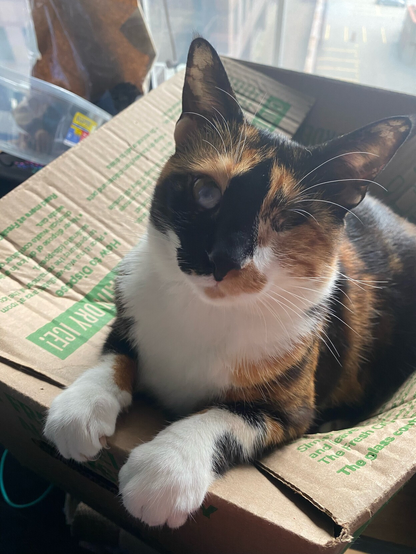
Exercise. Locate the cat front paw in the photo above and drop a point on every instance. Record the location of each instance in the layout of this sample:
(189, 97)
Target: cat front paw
(79, 420)
(163, 482)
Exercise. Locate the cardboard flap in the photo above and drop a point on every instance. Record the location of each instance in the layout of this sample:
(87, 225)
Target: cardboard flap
(349, 474)
(64, 231)
(267, 104)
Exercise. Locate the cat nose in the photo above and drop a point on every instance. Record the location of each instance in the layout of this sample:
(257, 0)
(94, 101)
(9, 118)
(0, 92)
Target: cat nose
(223, 264)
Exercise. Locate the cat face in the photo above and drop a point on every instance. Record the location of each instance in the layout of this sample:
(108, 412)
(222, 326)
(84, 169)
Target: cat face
(245, 209)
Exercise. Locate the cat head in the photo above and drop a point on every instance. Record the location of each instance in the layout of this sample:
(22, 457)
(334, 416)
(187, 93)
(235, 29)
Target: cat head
(242, 208)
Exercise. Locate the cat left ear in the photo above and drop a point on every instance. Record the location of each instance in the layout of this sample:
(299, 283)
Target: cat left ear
(346, 165)
(207, 93)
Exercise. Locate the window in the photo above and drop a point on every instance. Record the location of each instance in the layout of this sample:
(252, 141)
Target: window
(372, 42)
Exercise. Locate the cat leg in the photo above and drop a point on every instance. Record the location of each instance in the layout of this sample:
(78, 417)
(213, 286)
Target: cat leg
(84, 414)
(166, 479)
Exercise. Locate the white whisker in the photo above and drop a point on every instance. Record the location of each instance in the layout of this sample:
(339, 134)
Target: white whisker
(232, 98)
(244, 123)
(244, 143)
(312, 290)
(334, 158)
(330, 350)
(237, 151)
(219, 155)
(277, 318)
(228, 127)
(340, 181)
(264, 320)
(259, 106)
(360, 280)
(333, 203)
(302, 212)
(342, 321)
(240, 154)
(212, 125)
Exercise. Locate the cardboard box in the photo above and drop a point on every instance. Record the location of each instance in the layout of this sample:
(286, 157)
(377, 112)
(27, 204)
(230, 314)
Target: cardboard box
(63, 233)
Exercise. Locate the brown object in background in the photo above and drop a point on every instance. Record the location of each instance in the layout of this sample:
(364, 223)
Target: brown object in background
(89, 47)
(60, 63)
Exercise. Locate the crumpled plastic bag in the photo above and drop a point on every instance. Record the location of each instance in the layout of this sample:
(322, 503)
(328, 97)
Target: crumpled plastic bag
(93, 48)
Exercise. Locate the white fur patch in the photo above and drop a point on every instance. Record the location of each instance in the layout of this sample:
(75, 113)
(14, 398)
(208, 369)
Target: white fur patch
(189, 346)
(83, 415)
(165, 480)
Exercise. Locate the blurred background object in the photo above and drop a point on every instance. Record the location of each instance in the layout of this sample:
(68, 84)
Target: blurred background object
(91, 47)
(242, 29)
(361, 41)
(103, 51)
(65, 68)
(40, 121)
(18, 45)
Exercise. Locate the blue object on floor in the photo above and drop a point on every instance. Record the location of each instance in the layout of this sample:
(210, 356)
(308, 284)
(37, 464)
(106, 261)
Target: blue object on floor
(6, 496)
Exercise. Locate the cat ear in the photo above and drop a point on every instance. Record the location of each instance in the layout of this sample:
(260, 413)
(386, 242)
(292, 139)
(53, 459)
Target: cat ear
(207, 93)
(346, 165)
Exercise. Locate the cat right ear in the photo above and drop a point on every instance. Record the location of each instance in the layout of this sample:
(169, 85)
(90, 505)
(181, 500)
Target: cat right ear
(207, 93)
(346, 165)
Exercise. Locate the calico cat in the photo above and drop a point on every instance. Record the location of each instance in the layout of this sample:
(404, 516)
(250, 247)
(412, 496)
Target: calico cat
(267, 292)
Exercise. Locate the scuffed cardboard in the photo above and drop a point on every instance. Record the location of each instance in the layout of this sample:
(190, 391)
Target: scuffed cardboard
(63, 233)
(353, 469)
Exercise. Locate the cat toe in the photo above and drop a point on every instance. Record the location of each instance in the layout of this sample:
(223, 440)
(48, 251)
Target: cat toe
(159, 485)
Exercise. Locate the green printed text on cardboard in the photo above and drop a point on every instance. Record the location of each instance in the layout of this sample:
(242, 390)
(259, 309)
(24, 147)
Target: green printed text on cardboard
(74, 327)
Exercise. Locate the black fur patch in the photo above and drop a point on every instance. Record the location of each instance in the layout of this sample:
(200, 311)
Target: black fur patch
(227, 453)
(303, 416)
(236, 225)
(295, 371)
(250, 413)
(228, 231)
(116, 342)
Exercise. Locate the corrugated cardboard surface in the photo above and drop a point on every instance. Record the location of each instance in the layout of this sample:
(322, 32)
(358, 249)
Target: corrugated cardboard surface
(62, 235)
(354, 469)
(267, 106)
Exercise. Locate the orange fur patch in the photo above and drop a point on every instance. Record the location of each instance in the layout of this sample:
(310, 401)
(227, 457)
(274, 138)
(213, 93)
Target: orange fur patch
(253, 374)
(124, 372)
(222, 168)
(275, 433)
(246, 280)
(288, 381)
(221, 154)
(282, 182)
(308, 250)
(357, 331)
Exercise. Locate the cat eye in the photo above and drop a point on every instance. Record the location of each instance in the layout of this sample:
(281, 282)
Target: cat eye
(206, 192)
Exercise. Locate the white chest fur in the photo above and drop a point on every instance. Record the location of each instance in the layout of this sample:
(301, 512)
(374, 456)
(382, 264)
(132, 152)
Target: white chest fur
(188, 348)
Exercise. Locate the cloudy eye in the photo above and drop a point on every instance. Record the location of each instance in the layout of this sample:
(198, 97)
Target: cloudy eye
(206, 192)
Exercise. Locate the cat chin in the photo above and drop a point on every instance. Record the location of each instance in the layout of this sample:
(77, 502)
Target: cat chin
(215, 294)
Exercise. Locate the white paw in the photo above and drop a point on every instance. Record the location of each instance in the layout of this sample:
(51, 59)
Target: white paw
(80, 419)
(165, 480)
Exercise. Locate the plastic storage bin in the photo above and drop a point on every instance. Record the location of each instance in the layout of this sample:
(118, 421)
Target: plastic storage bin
(39, 121)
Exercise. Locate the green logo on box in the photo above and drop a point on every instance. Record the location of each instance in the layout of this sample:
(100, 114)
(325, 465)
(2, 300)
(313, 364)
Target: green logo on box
(74, 327)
